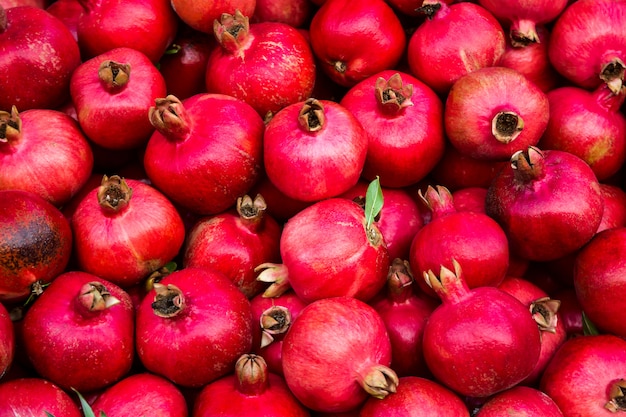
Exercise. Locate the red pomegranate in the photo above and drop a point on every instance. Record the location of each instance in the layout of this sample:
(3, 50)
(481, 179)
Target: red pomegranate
(35, 396)
(7, 341)
(202, 14)
(520, 400)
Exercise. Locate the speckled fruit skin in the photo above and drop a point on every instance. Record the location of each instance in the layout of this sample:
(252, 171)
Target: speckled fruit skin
(520, 401)
(33, 396)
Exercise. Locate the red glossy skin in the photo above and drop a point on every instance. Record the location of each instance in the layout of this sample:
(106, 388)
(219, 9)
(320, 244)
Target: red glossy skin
(523, 14)
(34, 396)
(366, 37)
(523, 401)
(141, 394)
(30, 160)
(328, 346)
(580, 375)
(404, 144)
(459, 39)
(200, 14)
(417, 397)
(212, 331)
(296, 13)
(58, 326)
(7, 341)
(470, 199)
(96, 106)
(40, 56)
(68, 12)
(148, 26)
(216, 161)
(614, 214)
(280, 207)
(36, 243)
(271, 69)
(571, 311)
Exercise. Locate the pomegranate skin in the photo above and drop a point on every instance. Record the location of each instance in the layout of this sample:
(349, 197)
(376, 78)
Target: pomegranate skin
(7, 341)
(34, 396)
(456, 170)
(210, 319)
(35, 243)
(599, 279)
(522, 401)
(98, 333)
(40, 55)
(141, 394)
(581, 375)
(614, 214)
(200, 14)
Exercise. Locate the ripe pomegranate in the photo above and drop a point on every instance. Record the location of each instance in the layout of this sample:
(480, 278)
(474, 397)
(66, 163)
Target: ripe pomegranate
(279, 206)
(314, 150)
(34, 144)
(68, 12)
(119, 85)
(402, 117)
(251, 391)
(410, 7)
(328, 250)
(295, 13)
(201, 15)
(549, 203)
(235, 242)
(35, 243)
(207, 316)
(336, 354)
(469, 199)
(472, 239)
(269, 65)
(520, 400)
(124, 230)
(97, 319)
(344, 35)
(40, 55)
(614, 214)
(7, 341)
(141, 394)
(492, 112)
(479, 341)
(206, 151)
(35, 396)
(586, 376)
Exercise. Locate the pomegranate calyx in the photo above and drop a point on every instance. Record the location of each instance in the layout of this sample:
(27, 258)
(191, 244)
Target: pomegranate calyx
(159, 274)
(399, 280)
(10, 125)
(617, 394)
(429, 9)
(114, 193)
(523, 33)
(449, 286)
(251, 374)
(544, 311)
(114, 75)
(94, 296)
(506, 126)
(251, 211)
(392, 95)
(438, 200)
(275, 320)
(169, 117)
(169, 300)
(379, 381)
(311, 117)
(612, 74)
(232, 31)
(528, 164)
(277, 275)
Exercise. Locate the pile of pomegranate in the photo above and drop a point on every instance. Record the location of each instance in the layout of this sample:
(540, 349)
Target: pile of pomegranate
(312, 208)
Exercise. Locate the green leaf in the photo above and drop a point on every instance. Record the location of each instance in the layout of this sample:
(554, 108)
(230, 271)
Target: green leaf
(87, 410)
(171, 266)
(373, 201)
(589, 329)
(48, 414)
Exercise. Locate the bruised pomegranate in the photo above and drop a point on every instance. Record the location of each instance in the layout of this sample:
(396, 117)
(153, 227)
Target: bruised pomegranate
(35, 396)
(481, 341)
(337, 354)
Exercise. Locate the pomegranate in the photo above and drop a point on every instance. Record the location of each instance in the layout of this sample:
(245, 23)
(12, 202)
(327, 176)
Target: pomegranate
(35, 396)
(590, 125)
(124, 230)
(141, 394)
(469, 199)
(148, 26)
(207, 316)
(570, 312)
(410, 7)
(201, 15)
(97, 319)
(206, 151)
(269, 65)
(329, 249)
(492, 112)
(336, 354)
(415, 397)
(34, 144)
(68, 12)
(588, 43)
(314, 150)
(549, 203)
(472, 239)
(355, 40)
(7, 341)
(404, 311)
(279, 206)
(235, 242)
(453, 41)
(120, 85)
(520, 400)
(252, 391)
(479, 341)
(402, 118)
(585, 376)
(614, 214)
(40, 55)
(35, 244)
(295, 13)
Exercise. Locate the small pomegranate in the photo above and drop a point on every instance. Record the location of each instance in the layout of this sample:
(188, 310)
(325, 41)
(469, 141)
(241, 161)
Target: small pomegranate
(520, 400)
(479, 341)
(35, 396)
(337, 354)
